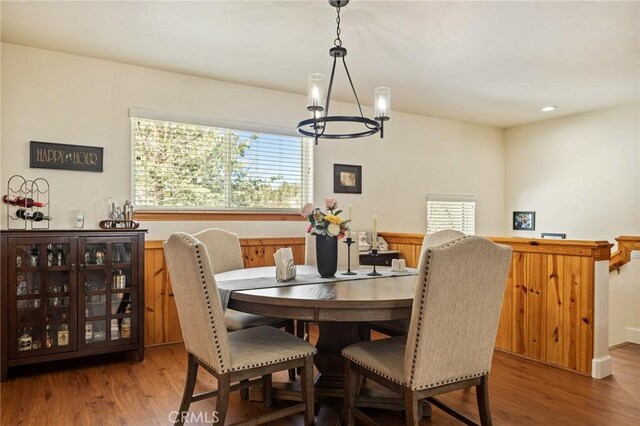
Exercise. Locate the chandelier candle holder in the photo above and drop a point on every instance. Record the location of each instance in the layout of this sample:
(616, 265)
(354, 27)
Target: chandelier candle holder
(374, 254)
(348, 241)
(316, 126)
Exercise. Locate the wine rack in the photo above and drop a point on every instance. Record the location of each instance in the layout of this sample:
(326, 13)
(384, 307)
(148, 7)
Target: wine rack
(35, 207)
(71, 293)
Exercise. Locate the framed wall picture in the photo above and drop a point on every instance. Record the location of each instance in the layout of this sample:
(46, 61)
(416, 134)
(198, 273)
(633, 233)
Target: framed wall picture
(553, 236)
(524, 221)
(347, 179)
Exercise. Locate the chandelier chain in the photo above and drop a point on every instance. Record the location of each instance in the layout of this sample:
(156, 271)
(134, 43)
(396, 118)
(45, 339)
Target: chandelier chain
(337, 42)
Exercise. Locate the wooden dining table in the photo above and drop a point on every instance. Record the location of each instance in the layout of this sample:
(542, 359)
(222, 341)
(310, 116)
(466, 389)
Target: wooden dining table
(337, 306)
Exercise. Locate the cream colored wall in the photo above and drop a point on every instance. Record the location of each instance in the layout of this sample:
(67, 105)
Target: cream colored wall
(62, 98)
(581, 175)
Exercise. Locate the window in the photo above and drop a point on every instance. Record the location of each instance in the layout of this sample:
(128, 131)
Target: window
(451, 212)
(180, 166)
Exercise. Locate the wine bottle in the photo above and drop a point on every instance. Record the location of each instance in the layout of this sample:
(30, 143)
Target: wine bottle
(29, 215)
(21, 201)
(49, 255)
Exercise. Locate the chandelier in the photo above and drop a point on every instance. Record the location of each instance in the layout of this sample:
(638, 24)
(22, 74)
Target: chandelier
(316, 126)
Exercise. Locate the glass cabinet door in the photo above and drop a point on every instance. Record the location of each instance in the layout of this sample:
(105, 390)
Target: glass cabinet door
(42, 296)
(106, 282)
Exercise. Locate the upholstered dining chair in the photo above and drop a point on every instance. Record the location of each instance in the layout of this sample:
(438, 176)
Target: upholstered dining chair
(401, 327)
(240, 356)
(225, 254)
(452, 333)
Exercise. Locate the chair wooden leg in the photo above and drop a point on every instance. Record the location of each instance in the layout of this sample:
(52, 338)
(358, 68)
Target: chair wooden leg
(364, 330)
(266, 390)
(352, 384)
(222, 400)
(244, 392)
(306, 379)
(290, 328)
(300, 333)
(189, 386)
(482, 395)
(411, 409)
(300, 329)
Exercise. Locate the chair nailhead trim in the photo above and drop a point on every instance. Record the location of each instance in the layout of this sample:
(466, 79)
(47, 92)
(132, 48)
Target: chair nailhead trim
(216, 337)
(368, 367)
(423, 302)
(276, 361)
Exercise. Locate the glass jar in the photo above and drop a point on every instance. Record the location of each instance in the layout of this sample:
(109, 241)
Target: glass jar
(126, 328)
(115, 330)
(63, 335)
(88, 332)
(25, 340)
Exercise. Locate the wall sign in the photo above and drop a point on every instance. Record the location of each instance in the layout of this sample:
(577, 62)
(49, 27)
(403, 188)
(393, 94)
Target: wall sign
(45, 155)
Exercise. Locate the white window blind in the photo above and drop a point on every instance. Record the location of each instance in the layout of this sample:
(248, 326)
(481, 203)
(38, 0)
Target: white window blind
(451, 212)
(182, 166)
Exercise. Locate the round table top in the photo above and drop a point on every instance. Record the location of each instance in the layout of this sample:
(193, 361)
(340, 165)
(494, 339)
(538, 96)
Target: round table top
(375, 299)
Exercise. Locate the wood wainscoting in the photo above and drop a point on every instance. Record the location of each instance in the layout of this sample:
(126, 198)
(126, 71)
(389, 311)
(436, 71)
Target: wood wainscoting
(547, 312)
(161, 316)
(548, 307)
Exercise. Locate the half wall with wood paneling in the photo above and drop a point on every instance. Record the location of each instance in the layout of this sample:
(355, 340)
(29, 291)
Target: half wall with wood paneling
(548, 310)
(161, 317)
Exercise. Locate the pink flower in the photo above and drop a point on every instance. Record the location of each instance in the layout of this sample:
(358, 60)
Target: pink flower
(330, 203)
(309, 228)
(307, 209)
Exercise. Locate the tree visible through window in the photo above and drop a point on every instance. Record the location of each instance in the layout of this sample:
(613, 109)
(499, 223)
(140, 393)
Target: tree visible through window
(188, 166)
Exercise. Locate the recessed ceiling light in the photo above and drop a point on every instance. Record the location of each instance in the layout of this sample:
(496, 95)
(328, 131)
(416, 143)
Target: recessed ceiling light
(549, 108)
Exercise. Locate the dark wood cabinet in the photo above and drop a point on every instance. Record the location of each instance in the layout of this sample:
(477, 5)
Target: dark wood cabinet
(383, 258)
(68, 294)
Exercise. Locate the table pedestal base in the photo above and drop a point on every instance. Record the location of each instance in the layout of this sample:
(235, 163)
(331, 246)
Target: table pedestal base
(329, 387)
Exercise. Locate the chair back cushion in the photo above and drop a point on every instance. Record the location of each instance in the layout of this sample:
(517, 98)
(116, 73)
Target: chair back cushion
(438, 238)
(198, 301)
(224, 249)
(455, 311)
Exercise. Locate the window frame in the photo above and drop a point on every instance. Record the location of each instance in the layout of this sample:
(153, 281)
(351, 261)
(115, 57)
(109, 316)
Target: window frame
(189, 213)
(453, 198)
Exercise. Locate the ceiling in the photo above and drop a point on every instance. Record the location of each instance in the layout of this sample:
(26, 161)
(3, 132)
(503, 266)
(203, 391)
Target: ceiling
(491, 63)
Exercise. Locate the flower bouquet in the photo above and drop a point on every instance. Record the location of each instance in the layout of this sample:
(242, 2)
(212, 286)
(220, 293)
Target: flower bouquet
(329, 224)
(331, 227)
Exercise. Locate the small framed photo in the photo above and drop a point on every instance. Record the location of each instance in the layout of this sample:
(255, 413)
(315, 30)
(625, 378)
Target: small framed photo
(553, 236)
(347, 179)
(524, 221)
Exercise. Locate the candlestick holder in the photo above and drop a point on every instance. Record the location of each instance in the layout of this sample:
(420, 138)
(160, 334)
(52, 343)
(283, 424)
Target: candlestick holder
(348, 241)
(374, 254)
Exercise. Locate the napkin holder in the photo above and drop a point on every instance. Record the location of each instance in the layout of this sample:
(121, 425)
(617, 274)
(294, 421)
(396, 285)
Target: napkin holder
(288, 274)
(285, 266)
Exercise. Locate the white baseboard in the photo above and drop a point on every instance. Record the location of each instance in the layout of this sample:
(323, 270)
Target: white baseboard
(601, 367)
(633, 335)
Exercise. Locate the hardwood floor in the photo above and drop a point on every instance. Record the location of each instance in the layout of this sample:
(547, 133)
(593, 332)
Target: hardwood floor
(115, 389)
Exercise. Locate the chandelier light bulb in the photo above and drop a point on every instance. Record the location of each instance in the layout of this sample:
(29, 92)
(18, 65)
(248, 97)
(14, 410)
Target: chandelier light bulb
(315, 93)
(315, 90)
(382, 98)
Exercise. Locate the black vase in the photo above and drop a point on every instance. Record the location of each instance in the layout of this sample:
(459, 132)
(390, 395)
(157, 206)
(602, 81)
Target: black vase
(327, 256)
